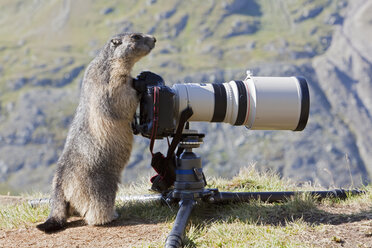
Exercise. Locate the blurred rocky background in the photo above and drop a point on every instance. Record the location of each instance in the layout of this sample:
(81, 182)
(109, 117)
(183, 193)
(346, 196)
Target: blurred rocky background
(46, 45)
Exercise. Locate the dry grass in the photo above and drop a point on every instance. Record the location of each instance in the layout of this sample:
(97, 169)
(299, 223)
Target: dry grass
(253, 224)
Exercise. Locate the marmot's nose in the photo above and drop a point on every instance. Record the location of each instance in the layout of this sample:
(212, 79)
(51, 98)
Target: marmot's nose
(152, 38)
(150, 41)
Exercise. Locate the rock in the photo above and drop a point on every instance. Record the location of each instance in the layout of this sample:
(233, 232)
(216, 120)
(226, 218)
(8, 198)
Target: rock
(243, 28)
(279, 47)
(169, 49)
(123, 26)
(166, 14)
(17, 83)
(42, 82)
(152, 30)
(205, 33)
(244, 7)
(342, 4)
(67, 78)
(21, 42)
(180, 25)
(107, 10)
(172, 64)
(309, 13)
(334, 19)
(70, 76)
(10, 107)
(4, 169)
(151, 2)
(61, 63)
(251, 45)
(325, 41)
(307, 52)
(66, 48)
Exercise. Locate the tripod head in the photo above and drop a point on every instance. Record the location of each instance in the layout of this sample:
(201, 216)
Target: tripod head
(189, 173)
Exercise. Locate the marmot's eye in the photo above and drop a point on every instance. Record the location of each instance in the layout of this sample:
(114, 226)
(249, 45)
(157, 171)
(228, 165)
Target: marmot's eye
(116, 42)
(136, 37)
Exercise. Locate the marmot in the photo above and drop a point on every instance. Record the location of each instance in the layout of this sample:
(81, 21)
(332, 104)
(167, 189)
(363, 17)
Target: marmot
(100, 138)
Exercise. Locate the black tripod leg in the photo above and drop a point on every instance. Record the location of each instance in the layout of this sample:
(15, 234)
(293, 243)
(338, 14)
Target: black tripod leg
(175, 237)
(278, 196)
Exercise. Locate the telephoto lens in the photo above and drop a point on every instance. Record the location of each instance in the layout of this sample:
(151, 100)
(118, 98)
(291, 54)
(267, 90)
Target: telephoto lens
(259, 103)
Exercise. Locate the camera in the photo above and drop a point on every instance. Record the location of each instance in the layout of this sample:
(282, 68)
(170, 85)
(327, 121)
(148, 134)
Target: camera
(259, 103)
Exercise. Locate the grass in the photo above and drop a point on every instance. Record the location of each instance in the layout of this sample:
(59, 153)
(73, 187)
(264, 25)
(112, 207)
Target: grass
(16, 216)
(253, 224)
(238, 234)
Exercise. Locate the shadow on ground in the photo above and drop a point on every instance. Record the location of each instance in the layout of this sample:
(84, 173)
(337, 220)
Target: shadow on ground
(306, 209)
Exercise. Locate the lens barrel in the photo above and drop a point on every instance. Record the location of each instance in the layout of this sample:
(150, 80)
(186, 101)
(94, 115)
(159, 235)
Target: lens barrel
(261, 103)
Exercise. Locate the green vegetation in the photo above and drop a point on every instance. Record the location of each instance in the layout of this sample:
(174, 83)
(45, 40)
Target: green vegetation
(254, 224)
(15, 216)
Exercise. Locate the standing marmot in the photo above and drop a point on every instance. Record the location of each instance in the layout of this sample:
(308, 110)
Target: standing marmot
(100, 139)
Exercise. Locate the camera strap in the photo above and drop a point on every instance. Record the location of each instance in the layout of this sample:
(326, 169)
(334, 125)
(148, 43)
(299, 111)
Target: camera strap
(166, 166)
(155, 120)
(185, 115)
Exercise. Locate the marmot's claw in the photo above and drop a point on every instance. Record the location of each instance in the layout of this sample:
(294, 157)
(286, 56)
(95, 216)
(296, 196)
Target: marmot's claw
(51, 225)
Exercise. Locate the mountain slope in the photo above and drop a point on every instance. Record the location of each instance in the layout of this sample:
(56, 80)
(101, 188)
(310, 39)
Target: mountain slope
(46, 45)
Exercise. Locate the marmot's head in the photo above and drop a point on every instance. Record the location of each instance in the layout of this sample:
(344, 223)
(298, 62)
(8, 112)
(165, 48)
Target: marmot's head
(118, 56)
(131, 46)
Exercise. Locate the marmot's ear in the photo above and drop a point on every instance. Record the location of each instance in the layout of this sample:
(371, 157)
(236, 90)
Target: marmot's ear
(116, 42)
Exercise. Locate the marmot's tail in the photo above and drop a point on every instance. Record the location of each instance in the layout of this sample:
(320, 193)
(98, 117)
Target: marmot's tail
(52, 225)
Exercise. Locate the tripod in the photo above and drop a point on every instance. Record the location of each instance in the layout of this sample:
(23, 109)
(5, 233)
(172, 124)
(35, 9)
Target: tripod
(189, 188)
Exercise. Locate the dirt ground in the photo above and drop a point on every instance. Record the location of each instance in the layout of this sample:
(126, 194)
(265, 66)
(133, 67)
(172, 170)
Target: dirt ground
(77, 234)
(341, 226)
(350, 235)
(120, 233)
(137, 234)
(337, 227)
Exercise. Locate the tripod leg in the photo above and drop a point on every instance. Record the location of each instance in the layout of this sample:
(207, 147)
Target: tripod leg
(175, 237)
(279, 196)
(141, 198)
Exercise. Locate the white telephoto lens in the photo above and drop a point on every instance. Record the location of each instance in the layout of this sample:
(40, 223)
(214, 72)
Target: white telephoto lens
(260, 103)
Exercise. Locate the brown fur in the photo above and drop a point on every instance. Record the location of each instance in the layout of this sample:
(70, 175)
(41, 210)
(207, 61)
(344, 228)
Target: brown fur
(100, 139)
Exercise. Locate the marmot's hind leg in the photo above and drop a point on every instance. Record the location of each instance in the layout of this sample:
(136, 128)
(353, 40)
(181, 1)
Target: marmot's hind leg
(100, 215)
(59, 212)
(101, 209)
